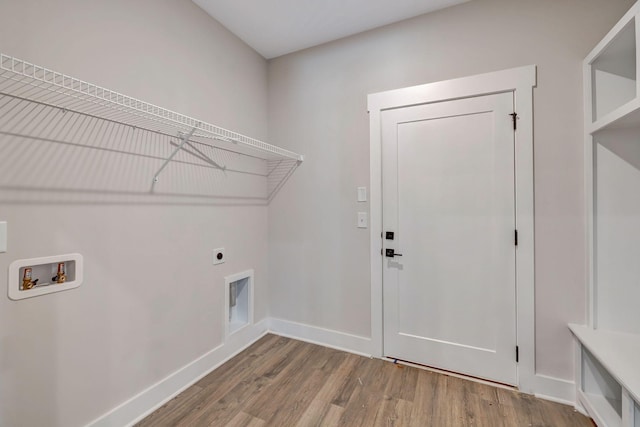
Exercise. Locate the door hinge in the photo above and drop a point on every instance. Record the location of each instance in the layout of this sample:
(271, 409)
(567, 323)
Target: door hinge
(515, 237)
(514, 117)
(380, 251)
(517, 354)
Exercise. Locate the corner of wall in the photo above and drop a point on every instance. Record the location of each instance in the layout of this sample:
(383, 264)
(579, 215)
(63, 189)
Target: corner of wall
(556, 390)
(325, 337)
(144, 403)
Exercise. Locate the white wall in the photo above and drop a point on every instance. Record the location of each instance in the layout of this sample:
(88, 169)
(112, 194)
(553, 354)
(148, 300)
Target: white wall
(318, 260)
(151, 301)
(617, 225)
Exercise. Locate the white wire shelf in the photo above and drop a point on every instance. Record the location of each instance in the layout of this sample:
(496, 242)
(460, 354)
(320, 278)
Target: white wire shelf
(28, 92)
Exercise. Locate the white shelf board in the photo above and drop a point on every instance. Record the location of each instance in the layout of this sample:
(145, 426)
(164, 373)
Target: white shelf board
(23, 80)
(601, 409)
(624, 117)
(612, 34)
(619, 354)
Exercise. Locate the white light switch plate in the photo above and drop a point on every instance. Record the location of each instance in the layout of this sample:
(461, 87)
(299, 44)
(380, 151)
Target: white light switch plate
(362, 194)
(3, 236)
(363, 221)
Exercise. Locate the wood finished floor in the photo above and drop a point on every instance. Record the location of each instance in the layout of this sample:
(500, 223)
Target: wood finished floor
(283, 382)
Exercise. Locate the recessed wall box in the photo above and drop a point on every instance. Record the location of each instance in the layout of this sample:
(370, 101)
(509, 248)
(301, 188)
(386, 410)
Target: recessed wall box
(44, 275)
(238, 301)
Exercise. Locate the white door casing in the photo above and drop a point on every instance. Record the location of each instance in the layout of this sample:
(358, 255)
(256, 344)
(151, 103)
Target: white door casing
(448, 196)
(520, 81)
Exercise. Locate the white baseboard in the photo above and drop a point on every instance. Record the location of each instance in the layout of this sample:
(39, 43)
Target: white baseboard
(321, 336)
(549, 388)
(147, 401)
(555, 390)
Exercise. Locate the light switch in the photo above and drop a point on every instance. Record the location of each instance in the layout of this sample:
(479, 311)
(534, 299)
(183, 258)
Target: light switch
(362, 194)
(3, 236)
(362, 220)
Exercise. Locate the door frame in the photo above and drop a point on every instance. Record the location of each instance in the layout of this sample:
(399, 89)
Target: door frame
(521, 82)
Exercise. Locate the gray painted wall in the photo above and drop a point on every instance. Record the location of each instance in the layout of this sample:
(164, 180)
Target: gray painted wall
(318, 259)
(151, 301)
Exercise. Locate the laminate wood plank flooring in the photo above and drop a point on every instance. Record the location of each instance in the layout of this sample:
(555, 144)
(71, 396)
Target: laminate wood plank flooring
(282, 382)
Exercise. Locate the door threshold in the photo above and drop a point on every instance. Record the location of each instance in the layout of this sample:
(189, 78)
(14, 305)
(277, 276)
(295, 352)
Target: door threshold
(451, 373)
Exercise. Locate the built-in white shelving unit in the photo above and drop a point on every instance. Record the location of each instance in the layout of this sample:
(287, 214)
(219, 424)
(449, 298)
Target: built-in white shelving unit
(608, 348)
(44, 105)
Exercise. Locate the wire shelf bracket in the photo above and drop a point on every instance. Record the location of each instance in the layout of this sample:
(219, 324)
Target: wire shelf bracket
(184, 138)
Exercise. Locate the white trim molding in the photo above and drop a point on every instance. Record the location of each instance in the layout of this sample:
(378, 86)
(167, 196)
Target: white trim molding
(144, 403)
(521, 82)
(555, 389)
(321, 336)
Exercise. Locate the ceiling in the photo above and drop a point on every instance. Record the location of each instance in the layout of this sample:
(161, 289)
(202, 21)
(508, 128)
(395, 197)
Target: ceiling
(278, 27)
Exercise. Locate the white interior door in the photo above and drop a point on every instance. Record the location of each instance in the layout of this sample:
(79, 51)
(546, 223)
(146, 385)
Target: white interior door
(448, 196)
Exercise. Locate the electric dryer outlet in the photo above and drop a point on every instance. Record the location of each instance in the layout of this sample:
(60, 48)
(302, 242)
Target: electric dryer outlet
(219, 256)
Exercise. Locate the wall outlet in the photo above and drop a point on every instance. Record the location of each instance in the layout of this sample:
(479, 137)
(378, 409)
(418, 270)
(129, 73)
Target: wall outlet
(3, 237)
(362, 220)
(218, 256)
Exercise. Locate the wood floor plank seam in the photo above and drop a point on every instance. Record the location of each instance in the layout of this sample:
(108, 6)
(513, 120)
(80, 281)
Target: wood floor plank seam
(282, 382)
